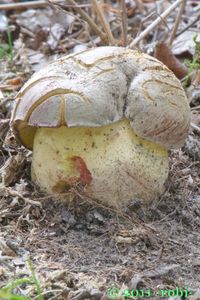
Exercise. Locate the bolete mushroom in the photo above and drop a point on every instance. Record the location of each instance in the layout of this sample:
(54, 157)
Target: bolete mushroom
(102, 120)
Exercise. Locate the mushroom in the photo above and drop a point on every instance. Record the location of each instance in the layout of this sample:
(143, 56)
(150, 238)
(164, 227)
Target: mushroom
(102, 121)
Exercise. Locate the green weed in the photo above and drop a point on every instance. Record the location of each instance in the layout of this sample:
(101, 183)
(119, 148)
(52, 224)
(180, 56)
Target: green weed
(6, 49)
(6, 293)
(193, 64)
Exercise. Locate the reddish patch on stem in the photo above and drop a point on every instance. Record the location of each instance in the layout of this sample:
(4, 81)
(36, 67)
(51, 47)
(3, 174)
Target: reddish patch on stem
(80, 165)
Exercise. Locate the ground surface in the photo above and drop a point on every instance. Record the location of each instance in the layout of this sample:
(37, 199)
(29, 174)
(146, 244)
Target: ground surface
(80, 250)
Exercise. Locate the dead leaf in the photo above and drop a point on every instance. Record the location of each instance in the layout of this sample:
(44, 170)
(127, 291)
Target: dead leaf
(1, 95)
(196, 296)
(192, 147)
(5, 249)
(8, 87)
(193, 91)
(121, 240)
(195, 117)
(15, 81)
(4, 126)
(135, 282)
(12, 168)
(165, 55)
(184, 43)
(160, 271)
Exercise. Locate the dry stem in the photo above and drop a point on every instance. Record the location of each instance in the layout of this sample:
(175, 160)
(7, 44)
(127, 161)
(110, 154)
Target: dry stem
(105, 24)
(14, 193)
(190, 25)
(155, 23)
(124, 23)
(178, 19)
(85, 17)
(32, 4)
(196, 127)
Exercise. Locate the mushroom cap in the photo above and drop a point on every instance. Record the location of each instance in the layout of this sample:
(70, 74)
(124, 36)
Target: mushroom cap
(101, 86)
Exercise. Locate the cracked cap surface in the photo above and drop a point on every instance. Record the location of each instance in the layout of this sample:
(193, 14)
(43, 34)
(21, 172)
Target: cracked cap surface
(101, 86)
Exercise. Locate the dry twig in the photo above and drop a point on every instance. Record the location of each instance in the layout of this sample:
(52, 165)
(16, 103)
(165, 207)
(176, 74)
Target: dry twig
(14, 193)
(102, 19)
(178, 19)
(34, 4)
(189, 26)
(85, 17)
(194, 126)
(124, 23)
(21, 5)
(155, 23)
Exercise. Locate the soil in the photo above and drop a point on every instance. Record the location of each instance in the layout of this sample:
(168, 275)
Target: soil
(83, 246)
(81, 249)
